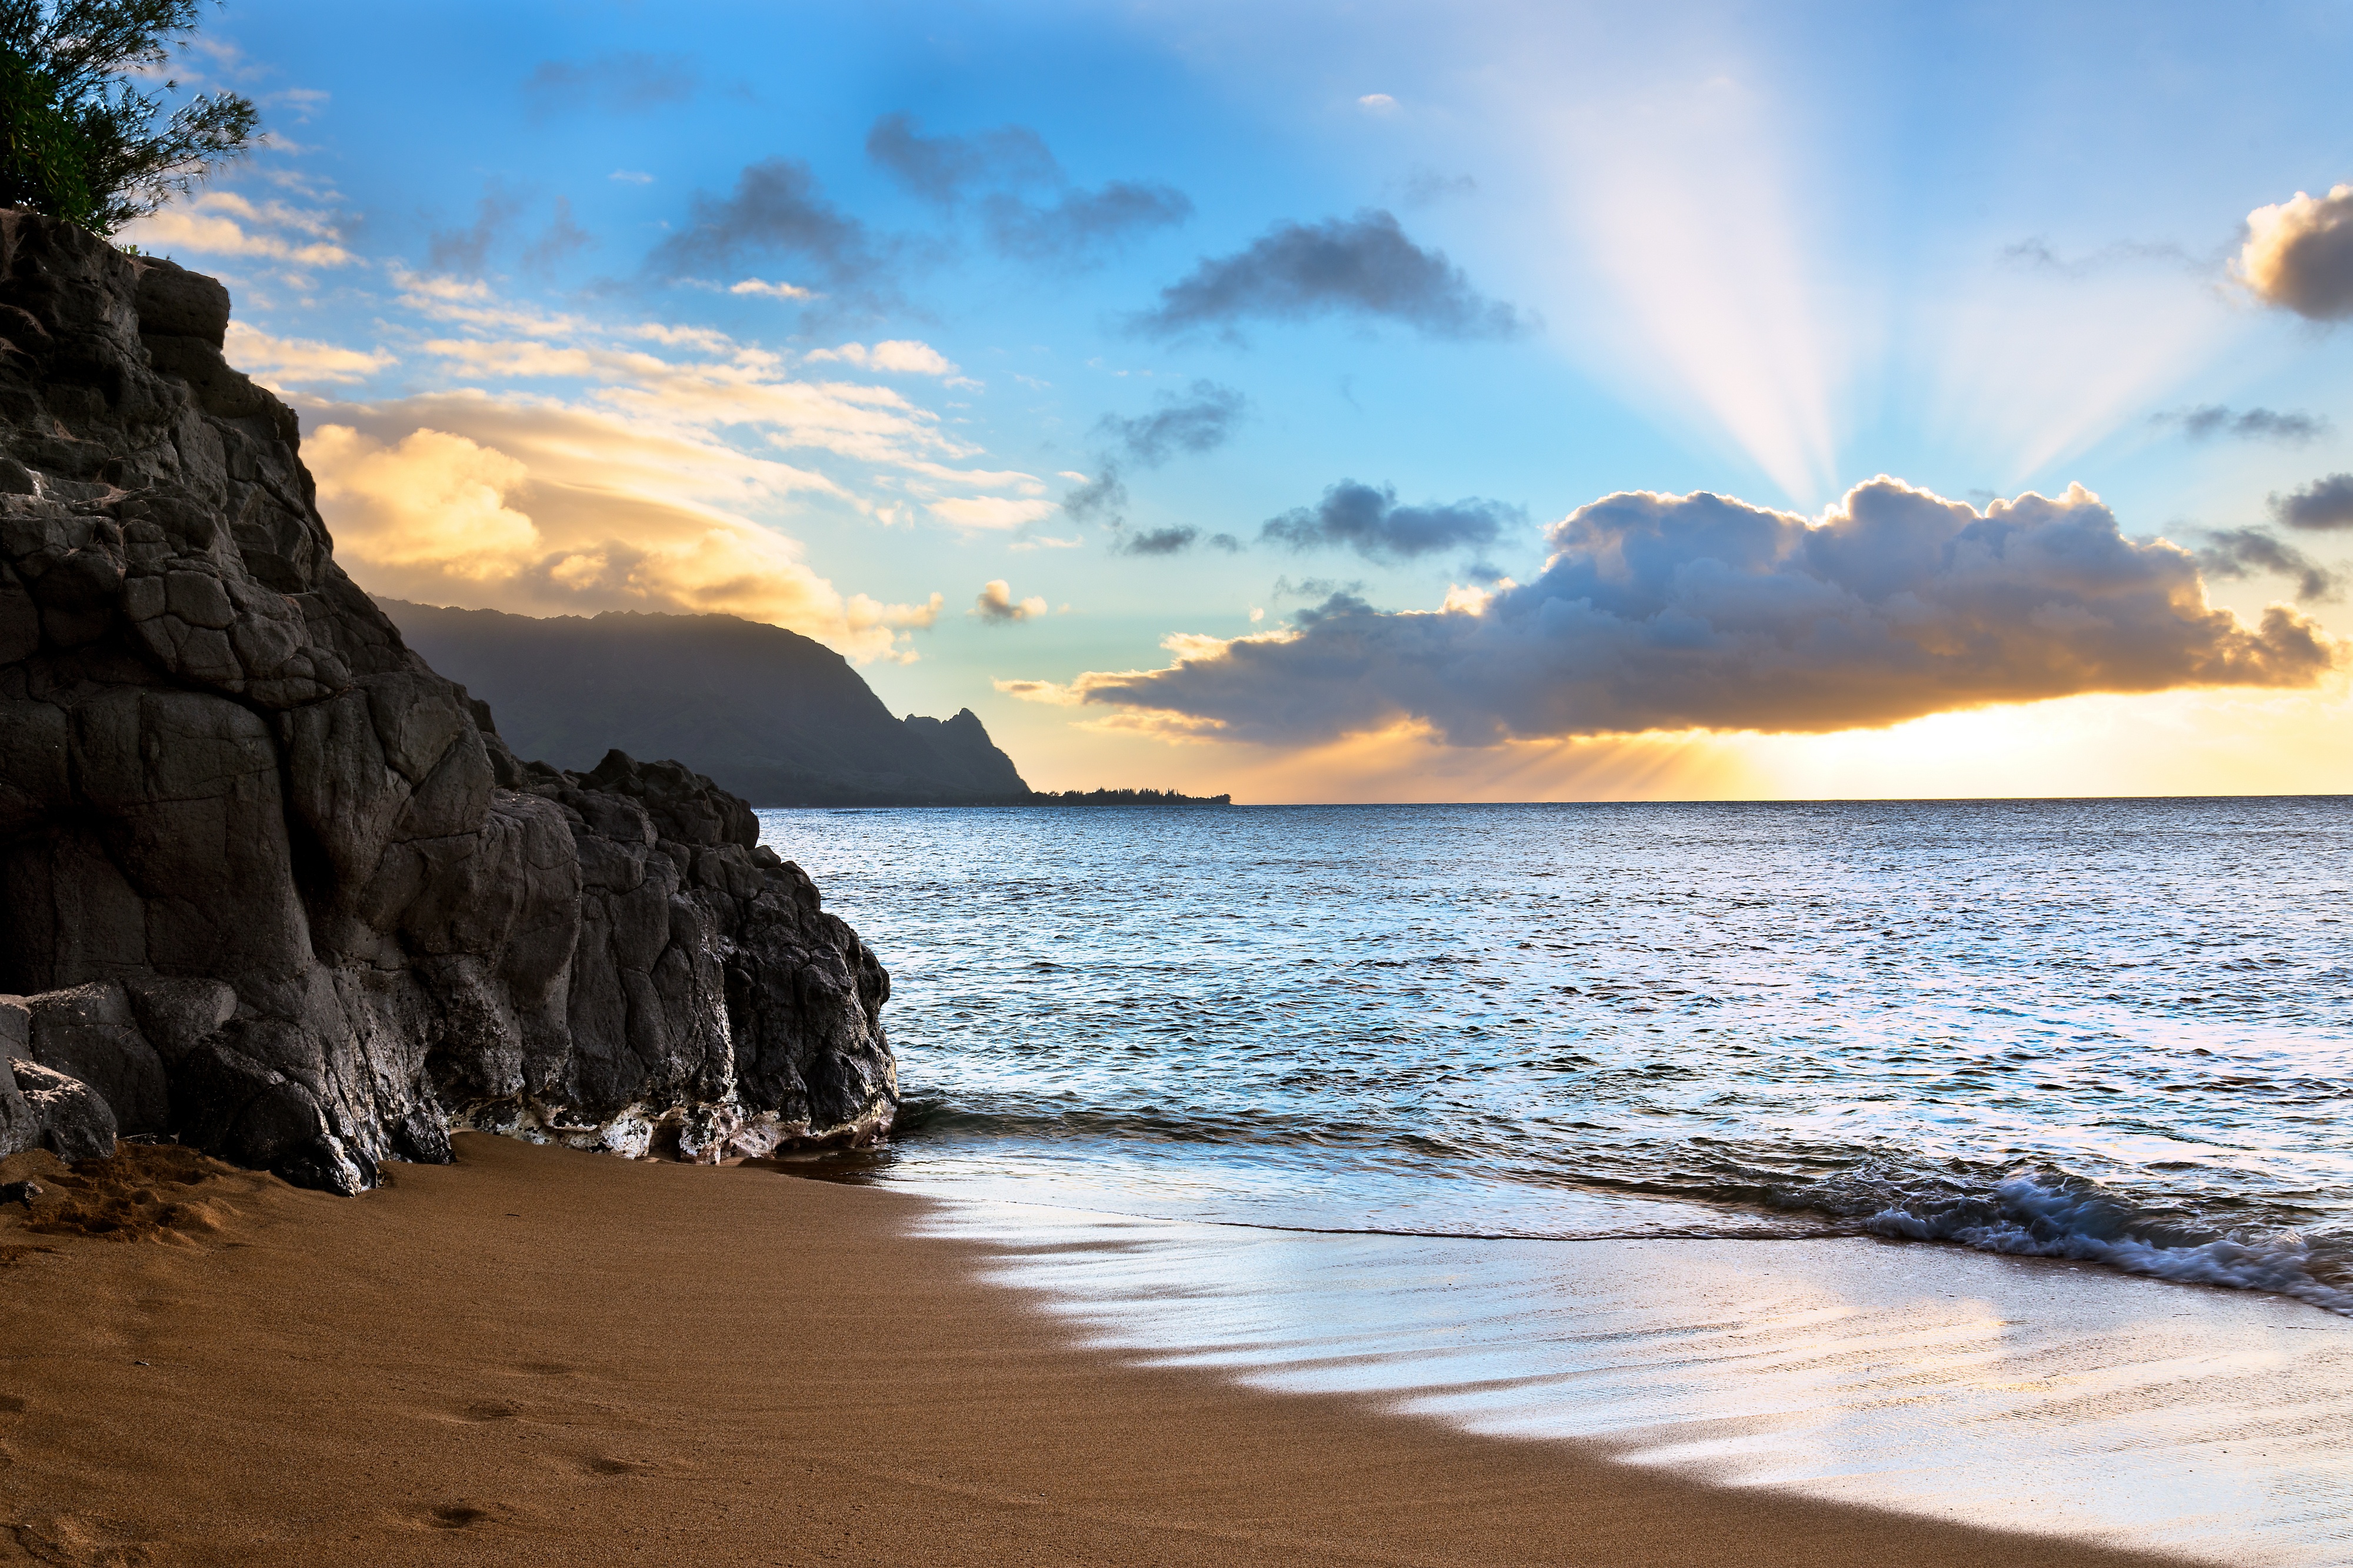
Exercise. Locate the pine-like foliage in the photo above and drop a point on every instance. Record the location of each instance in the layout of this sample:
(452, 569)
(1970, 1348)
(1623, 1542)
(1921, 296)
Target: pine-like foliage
(79, 140)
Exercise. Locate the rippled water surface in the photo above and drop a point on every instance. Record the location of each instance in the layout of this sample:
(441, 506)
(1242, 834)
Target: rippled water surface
(2117, 1031)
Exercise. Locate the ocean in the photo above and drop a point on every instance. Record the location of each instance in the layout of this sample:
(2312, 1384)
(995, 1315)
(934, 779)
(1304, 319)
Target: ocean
(1814, 1146)
(2111, 1030)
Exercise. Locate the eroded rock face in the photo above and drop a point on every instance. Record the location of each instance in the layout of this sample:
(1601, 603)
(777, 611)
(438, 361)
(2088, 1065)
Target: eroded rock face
(270, 885)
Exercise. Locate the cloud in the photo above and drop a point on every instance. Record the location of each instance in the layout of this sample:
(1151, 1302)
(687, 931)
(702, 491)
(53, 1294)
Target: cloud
(223, 223)
(2036, 255)
(2298, 254)
(463, 251)
(1377, 103)
(1426, 185)
(990, 511)
(2236, 553)
(467, 499)
(1104, 496)
(776, 210)
(761, 286)
(1013, 158)
(628, 82)
(279, 363)
(1201, 420)
(1698, 612)
(996, 605)
(631, 176)
(1083, 221)
(564, 238)
(2323, 506)
(704, 384)
(941, 168)
(901, 356)
(1370, 522)
(2211, 420)
(1362, 266)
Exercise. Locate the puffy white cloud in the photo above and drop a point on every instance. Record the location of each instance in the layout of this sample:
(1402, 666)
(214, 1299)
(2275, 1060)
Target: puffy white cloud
(761, 286)
(995, 604)
(2298, 254)
(1377, 103)
(1699, 612)
(901, 356)
(991, 512)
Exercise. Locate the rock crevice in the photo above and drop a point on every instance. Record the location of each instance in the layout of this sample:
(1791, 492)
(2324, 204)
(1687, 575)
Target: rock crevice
(272, 887)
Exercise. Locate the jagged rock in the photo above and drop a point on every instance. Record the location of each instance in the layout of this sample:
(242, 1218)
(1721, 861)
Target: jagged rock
(70, 1118)
(271, 886)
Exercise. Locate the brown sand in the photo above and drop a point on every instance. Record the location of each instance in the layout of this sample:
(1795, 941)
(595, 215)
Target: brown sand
(537, 1357)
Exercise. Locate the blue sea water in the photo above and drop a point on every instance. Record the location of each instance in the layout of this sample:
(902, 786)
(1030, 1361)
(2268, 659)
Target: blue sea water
(2114, 1031)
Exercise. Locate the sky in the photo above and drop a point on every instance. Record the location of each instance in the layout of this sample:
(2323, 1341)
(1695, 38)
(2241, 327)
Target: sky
(1359, 401)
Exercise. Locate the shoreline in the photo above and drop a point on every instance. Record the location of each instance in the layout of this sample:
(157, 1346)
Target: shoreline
(539, 1355)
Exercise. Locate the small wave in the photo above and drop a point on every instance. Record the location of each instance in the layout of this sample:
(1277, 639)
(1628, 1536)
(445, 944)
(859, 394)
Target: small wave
(2048, 1214)
(2040, 1211)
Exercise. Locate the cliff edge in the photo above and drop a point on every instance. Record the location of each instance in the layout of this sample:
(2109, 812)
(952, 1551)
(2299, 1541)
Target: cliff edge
(271, 886)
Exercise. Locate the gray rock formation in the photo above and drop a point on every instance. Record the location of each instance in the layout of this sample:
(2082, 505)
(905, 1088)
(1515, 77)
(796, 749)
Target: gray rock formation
(271, 886)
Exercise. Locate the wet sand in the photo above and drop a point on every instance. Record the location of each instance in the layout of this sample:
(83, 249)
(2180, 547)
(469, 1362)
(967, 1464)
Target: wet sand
(542, 1356)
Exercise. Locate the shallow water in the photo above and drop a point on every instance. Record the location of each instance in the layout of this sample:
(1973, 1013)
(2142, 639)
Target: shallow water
(2119, 1031)
(2043, 1396)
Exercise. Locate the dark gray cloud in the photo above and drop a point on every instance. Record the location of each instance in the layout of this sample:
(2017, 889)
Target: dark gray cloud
(1369, 522)
(2037, 255)
(1072, 229)
(1084, 223)
(2298, 254)
(1102, 498)
(2234, 554)
(945, 168)
(1203, 419)
(1700, 612)
(1155, 541)
(625, 83)
(465, 251)
(2323, 506)
(1363, 265)
(563, 239)
(776, 210)
(1199, 420)
(1313, 588)
(2212, 420)
(1425, 185)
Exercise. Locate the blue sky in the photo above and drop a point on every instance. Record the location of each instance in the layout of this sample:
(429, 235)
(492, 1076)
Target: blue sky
(548, 361)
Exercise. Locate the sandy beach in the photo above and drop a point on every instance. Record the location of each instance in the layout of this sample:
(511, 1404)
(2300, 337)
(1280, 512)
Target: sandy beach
(535, 1355)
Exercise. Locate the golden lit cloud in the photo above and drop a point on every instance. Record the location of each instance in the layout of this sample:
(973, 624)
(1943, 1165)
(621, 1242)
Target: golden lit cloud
(996, 602)
(279, 363)
(222, 223)
(550, 510)
(2298, 254)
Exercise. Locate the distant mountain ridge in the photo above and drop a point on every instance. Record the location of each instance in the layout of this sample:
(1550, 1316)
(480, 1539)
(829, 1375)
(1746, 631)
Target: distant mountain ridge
(769, 714)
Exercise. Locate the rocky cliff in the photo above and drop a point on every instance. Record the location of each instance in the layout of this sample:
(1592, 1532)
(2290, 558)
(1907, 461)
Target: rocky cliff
(271, 886)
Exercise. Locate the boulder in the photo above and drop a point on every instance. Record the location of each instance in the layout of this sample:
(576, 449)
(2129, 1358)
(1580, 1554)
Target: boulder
(271, 886)
(72, 1120)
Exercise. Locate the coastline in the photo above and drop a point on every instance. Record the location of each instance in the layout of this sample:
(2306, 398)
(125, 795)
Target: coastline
(541, 1355)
